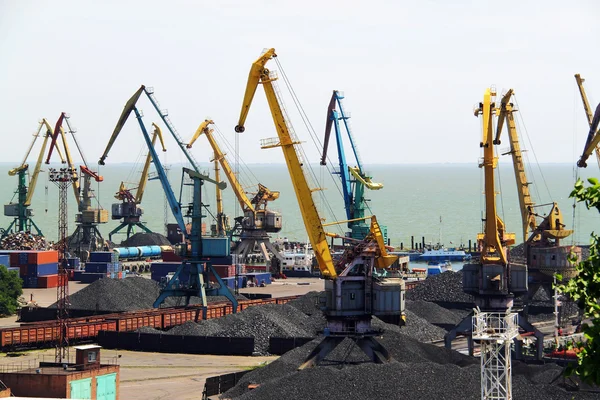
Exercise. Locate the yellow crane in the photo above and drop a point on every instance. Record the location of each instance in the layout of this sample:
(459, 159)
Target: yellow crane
(129, 210)
(544, 254)
(20, 210)
(493, 280)
(353, 292)
(593, 141)
(258, 220)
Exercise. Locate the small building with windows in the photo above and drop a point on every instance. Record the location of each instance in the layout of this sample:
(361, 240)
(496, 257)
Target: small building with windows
(88, 377)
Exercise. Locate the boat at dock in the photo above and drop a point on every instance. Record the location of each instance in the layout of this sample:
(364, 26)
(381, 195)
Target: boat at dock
(442, 254)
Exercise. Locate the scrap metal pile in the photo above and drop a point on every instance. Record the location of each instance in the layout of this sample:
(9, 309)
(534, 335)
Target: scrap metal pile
(25, 241)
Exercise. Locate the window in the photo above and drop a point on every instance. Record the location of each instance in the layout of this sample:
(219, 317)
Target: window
(92, 356)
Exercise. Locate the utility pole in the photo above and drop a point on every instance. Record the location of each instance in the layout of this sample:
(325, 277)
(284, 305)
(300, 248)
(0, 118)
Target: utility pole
(63, 178)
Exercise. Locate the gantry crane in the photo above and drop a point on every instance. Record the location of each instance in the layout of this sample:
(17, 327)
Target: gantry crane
(199, 267)
(258, 220)
(592, 143)
(86, 237)
(354, 291)
(544, 254)
(354, 179)
(21, 210)
(129, 210)
(494, 280)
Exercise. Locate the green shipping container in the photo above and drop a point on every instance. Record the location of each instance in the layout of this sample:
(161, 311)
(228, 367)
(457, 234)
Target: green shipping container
(106, 387)
(81, 389)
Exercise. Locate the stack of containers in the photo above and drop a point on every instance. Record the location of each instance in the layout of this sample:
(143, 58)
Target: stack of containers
(103, 262)
(41, 264)
(32, 264)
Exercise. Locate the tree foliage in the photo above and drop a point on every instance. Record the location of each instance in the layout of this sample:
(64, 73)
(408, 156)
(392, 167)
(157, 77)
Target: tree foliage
(10, 291)
(584, 289)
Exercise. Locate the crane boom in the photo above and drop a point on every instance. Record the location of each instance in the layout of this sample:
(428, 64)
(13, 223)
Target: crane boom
(144, 178)
(240, 194)
(312, 221)
(505, 112)
(592, 143)
(38, 165)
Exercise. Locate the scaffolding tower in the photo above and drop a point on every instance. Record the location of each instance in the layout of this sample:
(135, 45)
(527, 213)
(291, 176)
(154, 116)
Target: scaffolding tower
(495, 332)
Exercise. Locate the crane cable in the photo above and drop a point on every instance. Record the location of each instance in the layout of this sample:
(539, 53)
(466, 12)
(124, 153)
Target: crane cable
(312, 133)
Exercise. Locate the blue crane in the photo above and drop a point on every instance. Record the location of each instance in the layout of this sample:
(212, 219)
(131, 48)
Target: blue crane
(198, 267)
(354, 179)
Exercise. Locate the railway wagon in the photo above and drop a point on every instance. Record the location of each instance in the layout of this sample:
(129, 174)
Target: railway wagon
(44, 334)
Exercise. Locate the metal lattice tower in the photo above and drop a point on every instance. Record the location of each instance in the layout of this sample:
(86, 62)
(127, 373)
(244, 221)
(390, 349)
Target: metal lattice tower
(63, 178)
(495, 331)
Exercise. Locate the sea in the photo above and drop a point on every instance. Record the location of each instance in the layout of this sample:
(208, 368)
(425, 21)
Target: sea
(442, 203)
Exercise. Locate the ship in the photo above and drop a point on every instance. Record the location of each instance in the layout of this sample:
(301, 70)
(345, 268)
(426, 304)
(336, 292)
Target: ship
(444, 254)
(297, 264)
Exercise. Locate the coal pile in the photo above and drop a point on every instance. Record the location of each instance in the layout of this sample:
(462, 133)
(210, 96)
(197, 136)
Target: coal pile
(259, 322)
(434, 314)
(308, 304)
(146, 239)
(417, 370)
(445, 288)
(25, 241)
(130, 294)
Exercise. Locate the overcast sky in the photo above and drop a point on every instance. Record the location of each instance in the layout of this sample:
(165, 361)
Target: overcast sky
(411, 71)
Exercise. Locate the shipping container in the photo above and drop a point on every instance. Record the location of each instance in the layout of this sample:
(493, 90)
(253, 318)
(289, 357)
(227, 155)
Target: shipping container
(42, 257)
(5, 260)
(104, 256)
(42, 269)
(215, 247)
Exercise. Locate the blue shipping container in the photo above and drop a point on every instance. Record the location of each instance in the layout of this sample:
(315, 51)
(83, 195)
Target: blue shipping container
(5, 260)
(97, 267)
(215, 247)
(30, 282)
(103, 256)
(42, 269)
(23, 258)
(74, 263)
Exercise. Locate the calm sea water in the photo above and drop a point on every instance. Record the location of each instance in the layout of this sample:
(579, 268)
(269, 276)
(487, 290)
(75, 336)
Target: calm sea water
(442, 202)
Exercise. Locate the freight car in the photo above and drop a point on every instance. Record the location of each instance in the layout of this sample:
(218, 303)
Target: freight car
(44, 334)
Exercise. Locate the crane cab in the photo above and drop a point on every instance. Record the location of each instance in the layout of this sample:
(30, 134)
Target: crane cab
(267, 220)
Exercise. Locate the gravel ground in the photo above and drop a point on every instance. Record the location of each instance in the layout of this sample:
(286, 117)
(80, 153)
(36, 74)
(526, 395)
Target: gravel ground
(130, 294)
(146, 239)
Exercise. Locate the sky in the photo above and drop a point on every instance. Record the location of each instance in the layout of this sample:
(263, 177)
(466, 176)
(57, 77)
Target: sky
(411, 72)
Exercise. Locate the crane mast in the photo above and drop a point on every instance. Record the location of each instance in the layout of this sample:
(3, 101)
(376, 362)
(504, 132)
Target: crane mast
(258, 221)
(86, 237)
(354, 180)
(351, 289)
(199, 267)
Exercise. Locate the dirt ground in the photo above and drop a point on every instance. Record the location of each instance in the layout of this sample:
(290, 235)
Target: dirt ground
(165, 376)
(150, 376)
